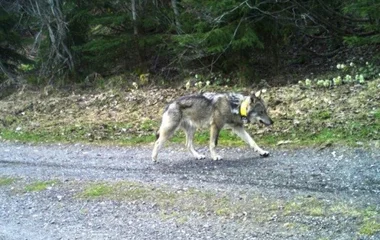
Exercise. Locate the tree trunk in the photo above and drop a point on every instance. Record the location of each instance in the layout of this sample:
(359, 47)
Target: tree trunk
(136, 37)
(134, 17)
(176, 16)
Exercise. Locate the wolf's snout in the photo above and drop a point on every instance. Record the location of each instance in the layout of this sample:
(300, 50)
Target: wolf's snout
(267, 122)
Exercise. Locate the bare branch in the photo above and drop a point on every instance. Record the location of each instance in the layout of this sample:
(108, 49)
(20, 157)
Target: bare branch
(50, 17)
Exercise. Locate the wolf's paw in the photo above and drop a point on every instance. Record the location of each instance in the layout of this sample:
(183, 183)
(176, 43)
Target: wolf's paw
(200, 156)
(217, 158)
(264, 154)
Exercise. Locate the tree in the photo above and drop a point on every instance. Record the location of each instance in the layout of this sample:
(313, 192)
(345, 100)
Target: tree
(365, 15)
(56, 59)
(122, 36)
(237, 35)
(10, 46)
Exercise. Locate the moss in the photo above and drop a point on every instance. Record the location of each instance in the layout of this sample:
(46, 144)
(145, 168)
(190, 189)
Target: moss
(305, 206)
(316, 211)
(369, 227)
(223, 212)
(296, 226)
(345, 210)
(126, 191)
(97, 190)
(175, 215)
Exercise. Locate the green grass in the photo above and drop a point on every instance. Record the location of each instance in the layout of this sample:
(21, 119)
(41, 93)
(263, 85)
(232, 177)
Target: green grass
(5, 181)
(349, 133)
(324, 136)
(148, 125)
(8, 134)
(352, 133)
(135, 140)
(226, 138)
(39, 186)
(74, 133)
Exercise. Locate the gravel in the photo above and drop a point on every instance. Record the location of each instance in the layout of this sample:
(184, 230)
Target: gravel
(335, 176)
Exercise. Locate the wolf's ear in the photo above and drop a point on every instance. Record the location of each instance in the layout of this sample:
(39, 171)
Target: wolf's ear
(258, 93)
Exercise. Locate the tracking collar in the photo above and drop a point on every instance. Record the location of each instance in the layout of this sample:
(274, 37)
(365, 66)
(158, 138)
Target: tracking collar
(243, 107)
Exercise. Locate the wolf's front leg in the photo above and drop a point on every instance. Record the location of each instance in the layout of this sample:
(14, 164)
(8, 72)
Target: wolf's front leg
(248, 139)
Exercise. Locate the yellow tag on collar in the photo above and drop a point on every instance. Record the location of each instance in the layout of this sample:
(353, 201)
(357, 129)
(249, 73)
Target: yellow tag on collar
(243, 107)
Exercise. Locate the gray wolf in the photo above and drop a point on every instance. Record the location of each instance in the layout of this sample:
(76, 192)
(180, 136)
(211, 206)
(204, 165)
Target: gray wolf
(214, 110)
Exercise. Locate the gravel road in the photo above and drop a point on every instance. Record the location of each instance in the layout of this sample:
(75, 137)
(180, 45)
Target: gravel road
(307, 193)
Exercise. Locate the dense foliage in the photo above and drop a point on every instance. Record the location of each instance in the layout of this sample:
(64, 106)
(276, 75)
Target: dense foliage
(10, 45)
(76, 38)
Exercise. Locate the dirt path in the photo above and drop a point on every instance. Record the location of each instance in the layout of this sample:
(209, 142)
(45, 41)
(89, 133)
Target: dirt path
(295, 194)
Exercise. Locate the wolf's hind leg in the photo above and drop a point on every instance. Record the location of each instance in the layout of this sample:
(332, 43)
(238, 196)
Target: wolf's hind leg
(248, 139)
(190, 131)
(167, 129)
(214, 135)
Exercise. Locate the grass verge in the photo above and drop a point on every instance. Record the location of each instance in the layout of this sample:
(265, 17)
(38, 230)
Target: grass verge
(178, 204)
(298, 214)
(349, 134)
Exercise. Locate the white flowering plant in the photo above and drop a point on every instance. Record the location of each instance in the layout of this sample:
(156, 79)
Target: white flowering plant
(204, 81)
(348, 73)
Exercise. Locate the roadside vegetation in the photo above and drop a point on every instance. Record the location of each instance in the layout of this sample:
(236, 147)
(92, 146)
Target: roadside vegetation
(345, 114)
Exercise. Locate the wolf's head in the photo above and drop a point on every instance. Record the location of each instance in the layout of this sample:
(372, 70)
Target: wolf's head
(254, 109)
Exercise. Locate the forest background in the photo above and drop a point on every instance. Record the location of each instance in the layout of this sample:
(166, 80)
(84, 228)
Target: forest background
(61, 42)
